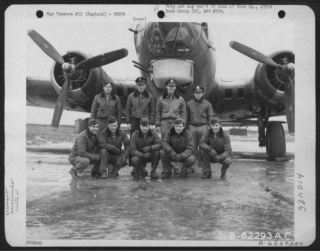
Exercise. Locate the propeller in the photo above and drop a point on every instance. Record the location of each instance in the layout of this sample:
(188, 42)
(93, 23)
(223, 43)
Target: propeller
(69, 69)
(255, 55)
(289, 103)
(288, 70)
(45, 46)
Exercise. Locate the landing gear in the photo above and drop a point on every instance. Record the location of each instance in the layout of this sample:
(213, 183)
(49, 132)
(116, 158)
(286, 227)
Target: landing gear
(273, 138)
(83, 125)
(276, 141)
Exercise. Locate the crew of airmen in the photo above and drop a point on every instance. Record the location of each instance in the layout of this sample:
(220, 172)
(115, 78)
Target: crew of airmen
(190, 135)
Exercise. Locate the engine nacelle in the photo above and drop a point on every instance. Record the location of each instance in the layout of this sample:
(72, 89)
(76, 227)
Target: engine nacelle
(84, 84)
(269, 82)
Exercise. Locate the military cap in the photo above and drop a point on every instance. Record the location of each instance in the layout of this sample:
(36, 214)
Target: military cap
(112, 120)
(140, 80)
(179, 121)
(171, 81)
(144, 121)
(198, 89)
(215, 120)
(92, 122)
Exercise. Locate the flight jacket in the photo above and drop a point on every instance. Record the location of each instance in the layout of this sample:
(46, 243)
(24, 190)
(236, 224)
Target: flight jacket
(199, 112)
(85, 145)
(170, 109)
(180, 143)
(107, 138)
(103, 109)
(138, 142)
(140, 108)
(221, 144)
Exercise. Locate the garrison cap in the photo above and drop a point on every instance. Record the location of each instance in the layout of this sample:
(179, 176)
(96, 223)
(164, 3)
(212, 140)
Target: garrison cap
(171, 81)
(144, 121)
(112, 120)
(92, 122)
(198, 89)
(179, 121)
(215, 120)
(140, 80)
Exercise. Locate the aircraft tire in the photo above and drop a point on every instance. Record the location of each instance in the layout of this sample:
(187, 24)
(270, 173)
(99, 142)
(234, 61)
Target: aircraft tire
(276, 141)
(83, 125)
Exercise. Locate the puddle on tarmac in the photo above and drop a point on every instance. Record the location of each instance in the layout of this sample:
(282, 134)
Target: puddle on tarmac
(259, 199)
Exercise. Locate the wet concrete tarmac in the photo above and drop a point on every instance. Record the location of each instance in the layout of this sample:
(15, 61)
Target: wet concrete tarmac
(257, 197)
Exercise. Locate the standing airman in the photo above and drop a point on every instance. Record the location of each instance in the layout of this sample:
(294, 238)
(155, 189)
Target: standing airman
(105, 105)
(169, 107)
(199, 115)
(140, 104)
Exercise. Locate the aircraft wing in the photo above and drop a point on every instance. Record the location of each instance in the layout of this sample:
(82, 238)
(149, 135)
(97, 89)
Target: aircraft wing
(41, 93)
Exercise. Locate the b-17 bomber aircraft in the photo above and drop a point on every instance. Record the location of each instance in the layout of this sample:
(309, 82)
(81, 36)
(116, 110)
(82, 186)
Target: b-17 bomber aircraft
(184, 52)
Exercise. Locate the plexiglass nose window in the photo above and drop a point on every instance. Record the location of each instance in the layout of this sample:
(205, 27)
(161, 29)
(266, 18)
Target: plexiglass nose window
(172, 39)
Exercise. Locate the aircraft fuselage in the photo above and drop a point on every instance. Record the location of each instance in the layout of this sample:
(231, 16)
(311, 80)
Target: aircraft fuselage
(187, 46)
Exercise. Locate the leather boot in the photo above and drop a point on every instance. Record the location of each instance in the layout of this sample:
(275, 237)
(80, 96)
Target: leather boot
(144, 171)
(223, 173)
(176, 168)
(165, 175)
(73, 173)
(134, 171)
(104, 174)
(190, 170)
(183, 173)
(154, 174)
(207, 175)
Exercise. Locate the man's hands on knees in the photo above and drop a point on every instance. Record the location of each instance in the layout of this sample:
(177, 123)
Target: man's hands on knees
(212, 153)
(122, 161)
(115, 149)
(175, 157)
(217, 158)
(146, 149)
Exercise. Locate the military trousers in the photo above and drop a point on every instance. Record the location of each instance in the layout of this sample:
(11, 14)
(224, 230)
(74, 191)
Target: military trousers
(103, 124)
(207, 159)
(109, 161)
(81, 163)
(167, 166)
(154, 158)
(135, 125)
(197, 132)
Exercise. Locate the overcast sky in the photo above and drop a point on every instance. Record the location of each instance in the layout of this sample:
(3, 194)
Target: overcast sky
(100, 37)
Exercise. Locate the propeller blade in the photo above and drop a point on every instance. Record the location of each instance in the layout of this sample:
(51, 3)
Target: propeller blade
(251, 53)
(290, 104)
(102, 59)
(60, 104)
(45, 46)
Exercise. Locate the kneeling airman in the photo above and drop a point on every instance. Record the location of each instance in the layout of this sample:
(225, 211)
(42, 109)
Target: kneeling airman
(144, 148)
(177, 146)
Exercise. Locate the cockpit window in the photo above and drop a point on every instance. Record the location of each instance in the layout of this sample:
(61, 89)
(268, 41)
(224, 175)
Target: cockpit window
(172, 39)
